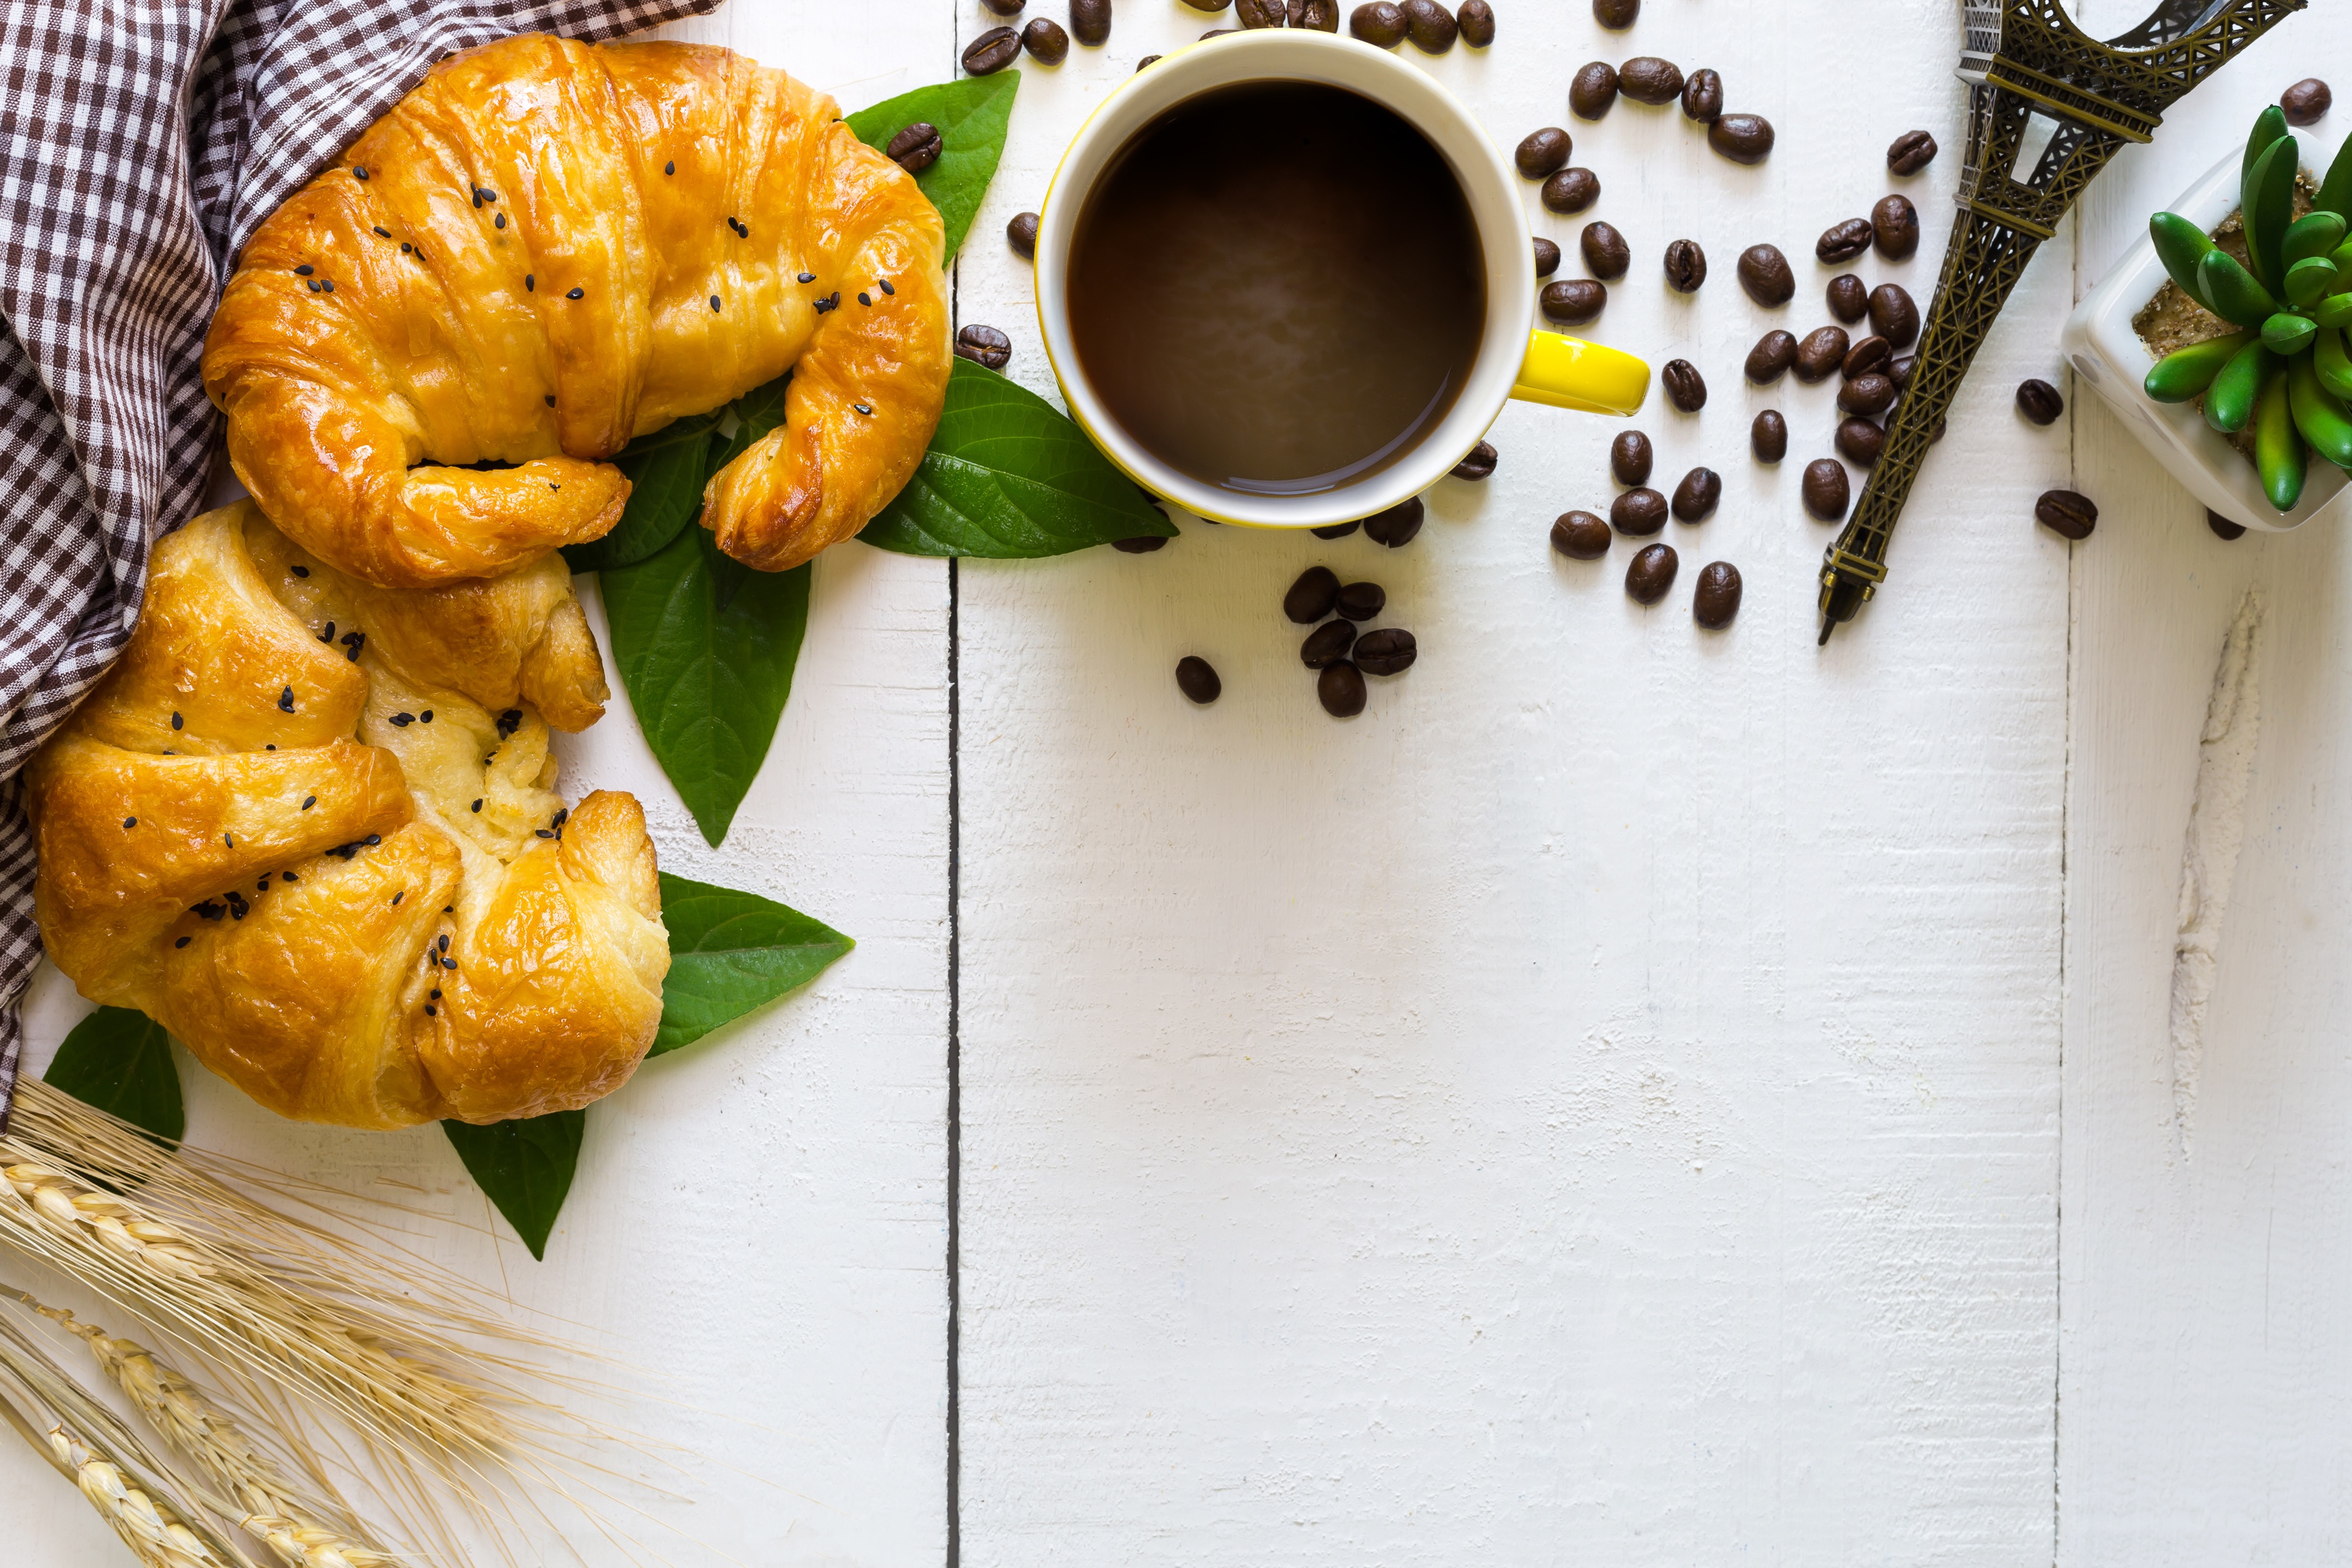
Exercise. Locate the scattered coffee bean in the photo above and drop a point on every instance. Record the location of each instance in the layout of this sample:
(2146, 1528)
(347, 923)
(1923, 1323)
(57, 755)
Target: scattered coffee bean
(1146, 60)
(1685, 388)
(915, 148)
(1476, 20)
(1090, 20)
(1858, 442)
(2306, 101)
(1649, 576)
(1320, 16)
(1635, 512)
(1770, 360)
(1580, 536)
(1742, 138)
(1826, 489)
(1716, 603)
(1217, 32)
(1336, 530)
(1646, 78)
(1686, 266)
(1389, 651)
(991, 51)
(1340, 690)
(1872, 356)
(1703, 97)
(1208, 5)
(1196, 681)
(1893, 315)
(1899, 373)
(1379, 24)
(1768, 437)
(1262, 13)
(1911, 152)
(1329, 641)
(1572, 191)
(2066, 512)
(1021, 233)
(1572, 302)
(1895, 228)
(1764, 273)
(1698, 495)
(1868, 394)
(1842, 242)
(1819, 356)
(1848, 301)
(1311, 597)
(1592, 93)
(1395, 527)
(1142, 544)
(1618, 15)
(984, 346)
(1361, 600)
(1006, 7)
(1045, 41)
(2221, 526)
(1541, 154)
(1430, 25)
(1546, 258)
(1606, 254)
(2039, 401)
(1478, 465)
(1630, 458)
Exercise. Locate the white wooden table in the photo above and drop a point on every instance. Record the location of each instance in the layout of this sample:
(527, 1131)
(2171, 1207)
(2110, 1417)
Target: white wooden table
(1635, 1096)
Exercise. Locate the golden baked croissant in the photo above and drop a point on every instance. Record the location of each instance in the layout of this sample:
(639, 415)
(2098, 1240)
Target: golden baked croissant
(309, 827)
(548, 248)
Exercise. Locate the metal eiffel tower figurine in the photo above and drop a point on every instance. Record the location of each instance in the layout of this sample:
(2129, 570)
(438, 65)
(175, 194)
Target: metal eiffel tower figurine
(2031, 73)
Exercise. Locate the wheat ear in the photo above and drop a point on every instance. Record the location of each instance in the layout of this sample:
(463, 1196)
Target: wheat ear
(152, 1531)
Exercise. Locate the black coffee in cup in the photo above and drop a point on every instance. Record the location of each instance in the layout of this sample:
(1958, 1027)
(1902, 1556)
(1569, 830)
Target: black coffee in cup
(1278, 287)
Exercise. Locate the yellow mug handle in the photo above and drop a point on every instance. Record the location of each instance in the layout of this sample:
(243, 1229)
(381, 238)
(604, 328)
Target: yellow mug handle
(1568, 372)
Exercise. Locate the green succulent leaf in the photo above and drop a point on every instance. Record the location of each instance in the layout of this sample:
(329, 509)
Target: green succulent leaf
(2330, 362)
(972, 114)
(2182, 375)
(120, 1060)
(2307, 280)
(2286, 332)
(2269, 126)
(2235, 294)
(2336, 190)
(2280, 456)
(2180, 245)
(2335, 310)
(2269, 208)
(2318, 415)
(2314, 234)
(2230, 400)
(524, 1167)
(730, 952)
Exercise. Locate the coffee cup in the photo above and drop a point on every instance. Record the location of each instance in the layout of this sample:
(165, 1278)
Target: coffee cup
(1512, 358)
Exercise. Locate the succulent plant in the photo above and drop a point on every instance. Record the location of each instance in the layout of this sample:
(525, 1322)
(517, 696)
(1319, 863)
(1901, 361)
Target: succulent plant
(2286, 369)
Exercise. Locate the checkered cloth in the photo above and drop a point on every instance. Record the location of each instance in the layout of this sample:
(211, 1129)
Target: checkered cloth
(140, 142)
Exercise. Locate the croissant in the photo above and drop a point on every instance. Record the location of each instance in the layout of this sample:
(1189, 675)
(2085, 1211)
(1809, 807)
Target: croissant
(549, 248)
(309, 826)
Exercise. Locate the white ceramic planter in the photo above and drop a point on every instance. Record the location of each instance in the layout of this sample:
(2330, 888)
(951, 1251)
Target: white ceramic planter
(2108, 357)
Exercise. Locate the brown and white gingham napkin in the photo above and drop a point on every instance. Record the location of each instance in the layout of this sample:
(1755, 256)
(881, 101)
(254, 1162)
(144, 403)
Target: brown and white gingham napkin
(140, 142)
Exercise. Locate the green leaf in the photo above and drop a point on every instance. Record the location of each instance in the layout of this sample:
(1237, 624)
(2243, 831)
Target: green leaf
(2269, 207)
(525, 1167)
(2269, 126)
(2314, 234)
(1008, 477)
(972, 113)
(729, 952)
(2236, 296)
(666, 472)
(120, 1060)
(706, 647)
(2180, 245)
(2287, 332)
(2336, 190)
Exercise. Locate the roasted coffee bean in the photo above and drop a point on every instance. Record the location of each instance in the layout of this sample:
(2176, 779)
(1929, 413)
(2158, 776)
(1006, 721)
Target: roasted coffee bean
(1868, 394)
(1476, 20)
(1311, 597)
(1320, 16)
(1572, 191)
(1617, 13)
(1196, 681)
(1893, 315)
(1208, 5)
(1770, 360)
(1430, 25)
(1327, 642)
(1543, 152)
(1899, 373)
(1819, 356)
(1742, 138)
(1716, 603)
(1911, 152)
(1340, 690)
(1592, 93)
(1395, 527)
(1858, 442)
(2039, 401)
(1389, 651)
(1698, 495)
(1379, 24)
(1021, 233)
(1262, 13)
(1826, 489)
(1842, 242)
(1630, 458)
(1635, 512)
(1217, 32)
(991, 51)
(1090, 21)
(1703, 97)
(1546, 258)
(1572, 302)
(1646, 79)
(983, 345)
(1685, 388)
(1871, 356)
(1142, 544)
(915, 148)
(2306, 101)
(1768, 437)
(1045, 41)
(1148, 60)
(1686, 266)
(1580, 536)
(1649, 576)
(1006, 7)
(1606, 254)
(1764, 273)
(1361, 600)
(1895, 228)
(2221, 526)
(2067, 512)
(1336, 530)
(1478, 465)
(1848, 301)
